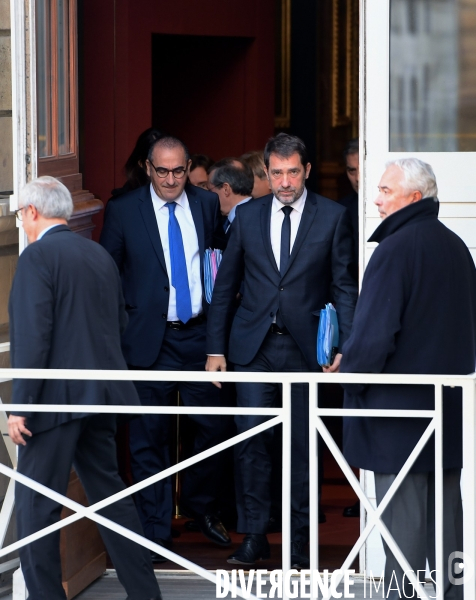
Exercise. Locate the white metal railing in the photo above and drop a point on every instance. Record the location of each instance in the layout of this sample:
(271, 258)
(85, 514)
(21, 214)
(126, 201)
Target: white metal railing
(277, 416)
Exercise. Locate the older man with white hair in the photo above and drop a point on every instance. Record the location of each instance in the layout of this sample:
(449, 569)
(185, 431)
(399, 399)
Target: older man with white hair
(67, 312)
(416, 314)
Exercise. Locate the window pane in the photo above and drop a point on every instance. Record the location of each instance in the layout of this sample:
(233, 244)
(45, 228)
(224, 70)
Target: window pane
(432, 75)
(64, 117)
(43, 78)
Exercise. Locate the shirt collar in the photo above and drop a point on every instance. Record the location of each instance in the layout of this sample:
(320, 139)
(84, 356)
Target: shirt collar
(182, 200)
(42, 233)
(298, 205)
(231, 214)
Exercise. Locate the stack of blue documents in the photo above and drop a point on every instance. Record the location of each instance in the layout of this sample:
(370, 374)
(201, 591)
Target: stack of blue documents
(211, 262)
(327, 336)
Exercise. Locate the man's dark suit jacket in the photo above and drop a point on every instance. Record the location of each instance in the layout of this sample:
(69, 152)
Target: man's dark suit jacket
(131, 235)
(65, 317)
(318, 272)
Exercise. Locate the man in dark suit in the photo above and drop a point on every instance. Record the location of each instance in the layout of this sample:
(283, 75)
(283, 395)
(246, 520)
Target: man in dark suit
(416, 314)
(157, 235)
(351, 202)
(67, 312)
(292, 250)
(232, 180)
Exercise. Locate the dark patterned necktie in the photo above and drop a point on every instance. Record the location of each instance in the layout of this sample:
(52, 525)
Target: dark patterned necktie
(285, 239)
(285, 251)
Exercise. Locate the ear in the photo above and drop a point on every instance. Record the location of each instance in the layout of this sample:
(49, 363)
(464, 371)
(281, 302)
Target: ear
(189, 163)
(33, 212)
(416, 196)
(266, 172)
(147, 168)
(226, 189)
(308, 169)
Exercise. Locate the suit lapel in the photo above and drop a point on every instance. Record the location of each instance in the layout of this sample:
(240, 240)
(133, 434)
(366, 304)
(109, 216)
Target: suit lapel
(150, 221)
(266, 231)
(197, 215)
(307, 217)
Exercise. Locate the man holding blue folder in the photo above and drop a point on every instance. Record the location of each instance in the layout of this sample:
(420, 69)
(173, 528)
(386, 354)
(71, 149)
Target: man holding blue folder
(291, 253)
(157, 236)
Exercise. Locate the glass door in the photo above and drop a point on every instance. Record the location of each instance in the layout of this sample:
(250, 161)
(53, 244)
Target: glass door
(419, 74)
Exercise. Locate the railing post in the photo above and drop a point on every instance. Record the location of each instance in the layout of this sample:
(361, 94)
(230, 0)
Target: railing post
(439, 491)
(469, 488)
(286, 499)
(313, 483)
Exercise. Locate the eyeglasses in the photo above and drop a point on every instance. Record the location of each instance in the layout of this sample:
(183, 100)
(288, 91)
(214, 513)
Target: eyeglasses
(162, 172)
(18, 213)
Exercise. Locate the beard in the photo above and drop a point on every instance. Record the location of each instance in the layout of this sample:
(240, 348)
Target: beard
(289, 195)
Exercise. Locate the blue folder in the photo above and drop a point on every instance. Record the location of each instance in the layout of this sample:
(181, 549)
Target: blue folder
(327, 336)
(211, 262)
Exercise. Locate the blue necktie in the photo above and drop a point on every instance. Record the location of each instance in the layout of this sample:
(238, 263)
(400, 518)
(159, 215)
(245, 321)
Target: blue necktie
(179, 267)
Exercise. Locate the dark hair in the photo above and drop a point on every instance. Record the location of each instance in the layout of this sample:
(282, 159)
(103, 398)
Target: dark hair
(169, 142)
(285, 145)
(239, 178)
(255, 161)
(352, 147)
(201, 160)
(134, 169)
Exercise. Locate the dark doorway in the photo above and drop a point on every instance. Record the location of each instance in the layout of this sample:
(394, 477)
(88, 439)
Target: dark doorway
(199, 86)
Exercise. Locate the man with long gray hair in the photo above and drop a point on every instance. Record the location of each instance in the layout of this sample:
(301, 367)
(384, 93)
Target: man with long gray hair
(67, 312)
(416, 314)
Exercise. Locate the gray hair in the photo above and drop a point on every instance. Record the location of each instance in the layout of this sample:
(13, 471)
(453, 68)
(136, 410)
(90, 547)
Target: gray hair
(239, 178)
(417, 176)
(49, 196)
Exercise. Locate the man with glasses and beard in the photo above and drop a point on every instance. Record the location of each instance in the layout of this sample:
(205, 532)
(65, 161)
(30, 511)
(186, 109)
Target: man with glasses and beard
(291, 252)
(157, 235)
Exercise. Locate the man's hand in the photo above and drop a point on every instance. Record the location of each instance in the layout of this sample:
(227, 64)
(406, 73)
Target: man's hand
(216, 363)
(334, 368)
(16, 427)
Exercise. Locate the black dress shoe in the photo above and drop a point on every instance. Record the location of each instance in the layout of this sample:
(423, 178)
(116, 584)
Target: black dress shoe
(212, 528)
(254, 547)
(352, 511)
(158, 558)
(299, 560)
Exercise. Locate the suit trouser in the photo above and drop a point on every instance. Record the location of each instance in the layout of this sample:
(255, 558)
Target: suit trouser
(149, 436)
(278, 353)
(89, 444)
(410, 518)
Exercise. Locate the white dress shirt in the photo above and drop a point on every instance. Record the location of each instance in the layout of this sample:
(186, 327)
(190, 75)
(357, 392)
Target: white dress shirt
(277, 218)
(42, 233)
(190, 244)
